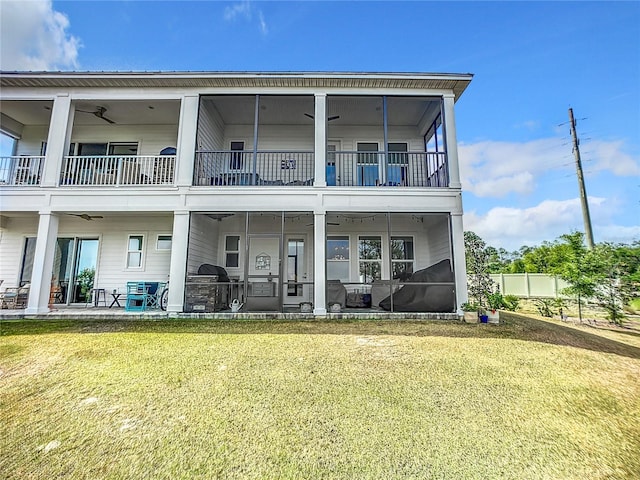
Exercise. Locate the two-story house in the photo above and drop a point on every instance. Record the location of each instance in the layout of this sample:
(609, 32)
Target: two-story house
(333, 191)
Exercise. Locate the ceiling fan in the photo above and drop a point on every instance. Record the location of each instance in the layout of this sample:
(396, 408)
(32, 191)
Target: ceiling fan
(98, 112)
(333, 117)
(85, 216)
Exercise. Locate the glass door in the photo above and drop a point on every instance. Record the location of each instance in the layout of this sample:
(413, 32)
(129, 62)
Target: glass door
(74, 269)
(296, 291)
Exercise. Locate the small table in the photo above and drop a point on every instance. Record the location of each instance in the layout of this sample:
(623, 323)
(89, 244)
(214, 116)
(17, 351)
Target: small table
(116, 297)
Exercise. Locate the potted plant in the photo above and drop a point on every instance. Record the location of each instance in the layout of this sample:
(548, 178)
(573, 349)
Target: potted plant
(470, 312)
(495, 301)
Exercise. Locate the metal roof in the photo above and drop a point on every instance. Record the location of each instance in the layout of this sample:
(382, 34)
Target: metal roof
(428, 81)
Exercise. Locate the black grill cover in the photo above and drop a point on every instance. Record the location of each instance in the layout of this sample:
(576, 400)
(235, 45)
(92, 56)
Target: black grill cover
(425, 298)
(208, 269)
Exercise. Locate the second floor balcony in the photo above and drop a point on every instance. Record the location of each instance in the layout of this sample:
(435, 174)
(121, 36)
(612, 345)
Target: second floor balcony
(240, 141)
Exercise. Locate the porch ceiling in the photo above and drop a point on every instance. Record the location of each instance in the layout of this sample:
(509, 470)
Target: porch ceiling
(350, 110)
(130, 112)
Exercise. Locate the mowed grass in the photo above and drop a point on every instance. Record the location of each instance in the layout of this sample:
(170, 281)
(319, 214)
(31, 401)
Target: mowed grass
(526, 399)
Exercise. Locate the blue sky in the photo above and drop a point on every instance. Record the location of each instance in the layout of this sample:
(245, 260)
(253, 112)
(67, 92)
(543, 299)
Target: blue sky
(531, 61)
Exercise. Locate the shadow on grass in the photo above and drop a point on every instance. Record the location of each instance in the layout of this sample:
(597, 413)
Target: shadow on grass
(512, 326)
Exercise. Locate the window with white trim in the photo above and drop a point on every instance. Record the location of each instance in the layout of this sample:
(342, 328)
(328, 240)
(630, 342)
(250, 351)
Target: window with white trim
(402, 257)
(163, 242)
(338, 258)
(232, 251)
(135, 251)
(369, 258)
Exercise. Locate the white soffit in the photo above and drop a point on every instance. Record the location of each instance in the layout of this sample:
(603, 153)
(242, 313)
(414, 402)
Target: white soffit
(423, 81)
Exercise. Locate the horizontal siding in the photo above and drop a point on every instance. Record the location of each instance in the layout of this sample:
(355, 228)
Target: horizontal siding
(151, 139)
(210, 128)
(203, 246)
(112, 272)
(12, 241)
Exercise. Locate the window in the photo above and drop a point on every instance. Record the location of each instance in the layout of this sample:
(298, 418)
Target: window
(236, 162)
(402, 257)
(370, 258)
(134, 251)
(163, 242)
(232, 251)
(398, 161)
(338, 258)
(123, 149)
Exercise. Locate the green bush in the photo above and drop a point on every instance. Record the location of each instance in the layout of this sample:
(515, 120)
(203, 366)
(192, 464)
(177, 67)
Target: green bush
(511, 302)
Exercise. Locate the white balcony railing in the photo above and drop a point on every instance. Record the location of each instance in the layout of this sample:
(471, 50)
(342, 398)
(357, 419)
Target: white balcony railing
(118, 170)
(21, 170)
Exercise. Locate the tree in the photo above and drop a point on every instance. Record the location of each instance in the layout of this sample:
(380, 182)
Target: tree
(620, 277)
(581, 268)
(478, 258)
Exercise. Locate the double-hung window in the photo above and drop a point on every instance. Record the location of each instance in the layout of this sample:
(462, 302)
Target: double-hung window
(232, 251)
(134, 251)
(338, 258)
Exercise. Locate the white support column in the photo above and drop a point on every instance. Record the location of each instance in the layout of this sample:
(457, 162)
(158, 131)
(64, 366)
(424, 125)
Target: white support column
(178, 264)
(320, 148)
(40, 287)
(186, 147)
(451, 141)
(319, 265)
(60, 127)
(460, 266)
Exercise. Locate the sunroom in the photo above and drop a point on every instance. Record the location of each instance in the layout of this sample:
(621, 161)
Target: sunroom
(269, 262)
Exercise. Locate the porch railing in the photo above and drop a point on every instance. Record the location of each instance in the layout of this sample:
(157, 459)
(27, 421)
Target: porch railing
(118, 170)
(21, 170)
(266, 168)
(387, 169)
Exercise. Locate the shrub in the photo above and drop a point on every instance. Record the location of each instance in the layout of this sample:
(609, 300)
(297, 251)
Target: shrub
(511, 302)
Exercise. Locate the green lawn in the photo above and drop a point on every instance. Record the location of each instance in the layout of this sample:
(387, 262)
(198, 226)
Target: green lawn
(527, 399)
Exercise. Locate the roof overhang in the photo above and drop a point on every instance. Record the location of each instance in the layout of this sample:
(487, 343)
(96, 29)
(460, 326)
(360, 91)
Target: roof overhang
(456, 83)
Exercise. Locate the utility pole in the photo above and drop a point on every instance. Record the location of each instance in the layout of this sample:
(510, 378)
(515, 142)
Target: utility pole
(588, 233)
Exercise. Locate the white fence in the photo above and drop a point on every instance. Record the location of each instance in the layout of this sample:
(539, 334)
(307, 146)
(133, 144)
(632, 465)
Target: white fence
(529, 285)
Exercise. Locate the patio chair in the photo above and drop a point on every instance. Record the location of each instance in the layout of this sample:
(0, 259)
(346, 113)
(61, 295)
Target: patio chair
(137, 293)
(154, 290)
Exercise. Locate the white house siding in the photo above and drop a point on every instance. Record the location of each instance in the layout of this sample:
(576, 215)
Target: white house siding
(349, 136)
(210, 128)
(113, 233)
(31, 141)
(151, 139)
(203, 242)
(13, 232)
(438, 238)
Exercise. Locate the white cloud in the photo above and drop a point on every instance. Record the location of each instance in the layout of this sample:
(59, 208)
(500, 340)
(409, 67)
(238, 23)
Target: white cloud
(34, 37)
(495, 169)
(244, 9)
(512, 228)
